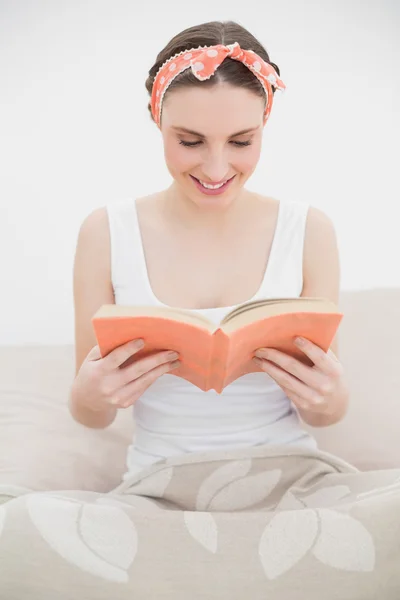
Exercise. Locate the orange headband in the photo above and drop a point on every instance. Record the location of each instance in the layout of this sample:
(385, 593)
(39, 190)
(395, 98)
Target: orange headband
(204, 61)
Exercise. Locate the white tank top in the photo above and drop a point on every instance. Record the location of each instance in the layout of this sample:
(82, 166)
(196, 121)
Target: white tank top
(173, 416)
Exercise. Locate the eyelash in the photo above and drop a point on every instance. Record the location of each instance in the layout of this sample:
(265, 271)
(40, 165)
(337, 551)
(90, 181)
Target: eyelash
(193, 144)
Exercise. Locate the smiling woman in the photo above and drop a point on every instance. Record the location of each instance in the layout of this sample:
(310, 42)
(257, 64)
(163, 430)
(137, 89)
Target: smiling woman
(193, 104)
(206, 244)
(212, 136)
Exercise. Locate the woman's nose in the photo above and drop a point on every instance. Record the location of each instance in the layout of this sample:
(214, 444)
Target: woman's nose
(216, 168)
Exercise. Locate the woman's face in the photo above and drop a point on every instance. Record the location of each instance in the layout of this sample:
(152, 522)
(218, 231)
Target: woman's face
(211, 136)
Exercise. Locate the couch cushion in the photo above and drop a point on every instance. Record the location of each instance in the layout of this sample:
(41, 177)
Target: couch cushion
(369, 349)
(41, 446)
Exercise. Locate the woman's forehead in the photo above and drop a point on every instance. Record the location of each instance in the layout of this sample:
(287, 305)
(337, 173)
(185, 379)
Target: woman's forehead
(205, 109)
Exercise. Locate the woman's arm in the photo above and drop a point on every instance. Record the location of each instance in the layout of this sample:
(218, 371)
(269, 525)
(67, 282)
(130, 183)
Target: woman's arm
(321, 278)
(92, 288)
(321, 265)
(320, 392)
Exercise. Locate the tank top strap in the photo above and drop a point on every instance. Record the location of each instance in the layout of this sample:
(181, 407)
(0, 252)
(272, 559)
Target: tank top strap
(285, 266)
(128, 264)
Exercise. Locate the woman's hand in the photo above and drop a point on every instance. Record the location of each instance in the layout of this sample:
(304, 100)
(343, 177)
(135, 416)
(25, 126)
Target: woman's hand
(319, 392)
(103, 385)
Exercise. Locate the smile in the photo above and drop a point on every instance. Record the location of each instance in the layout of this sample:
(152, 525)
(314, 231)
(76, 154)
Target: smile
(212, 189)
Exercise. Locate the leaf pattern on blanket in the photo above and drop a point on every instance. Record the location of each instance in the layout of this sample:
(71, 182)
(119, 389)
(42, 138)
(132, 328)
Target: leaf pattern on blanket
(231, 488)
(101, 540)
(144, 505)
(336, 539)
(155, 484)
(289, 502)
(246, 492)
(203, 528)
(219, 478)
(344, 543)
(286, 540)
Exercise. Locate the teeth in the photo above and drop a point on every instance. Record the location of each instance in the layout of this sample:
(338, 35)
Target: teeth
(212, 187)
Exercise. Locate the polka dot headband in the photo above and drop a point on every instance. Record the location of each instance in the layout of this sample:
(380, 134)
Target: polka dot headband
(204, 61)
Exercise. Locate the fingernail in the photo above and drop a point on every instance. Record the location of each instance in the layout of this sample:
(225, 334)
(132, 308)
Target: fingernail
(175, 364)
(172, 355)
(299, 341)
(138, 344)
(258, 361)
(262, 353)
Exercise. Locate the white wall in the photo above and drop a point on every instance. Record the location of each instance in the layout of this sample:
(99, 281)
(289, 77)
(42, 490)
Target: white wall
(75, 132)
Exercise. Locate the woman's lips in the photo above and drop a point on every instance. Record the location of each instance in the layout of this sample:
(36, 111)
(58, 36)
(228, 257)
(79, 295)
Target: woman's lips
(212, 192)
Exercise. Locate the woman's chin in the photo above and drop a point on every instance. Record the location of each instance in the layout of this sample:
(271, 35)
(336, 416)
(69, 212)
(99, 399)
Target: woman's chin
(215, 198)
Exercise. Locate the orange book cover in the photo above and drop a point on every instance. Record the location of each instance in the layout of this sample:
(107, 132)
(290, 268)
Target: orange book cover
(212, 356)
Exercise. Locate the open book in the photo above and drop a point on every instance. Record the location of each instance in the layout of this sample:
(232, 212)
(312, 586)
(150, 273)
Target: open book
(212, 356)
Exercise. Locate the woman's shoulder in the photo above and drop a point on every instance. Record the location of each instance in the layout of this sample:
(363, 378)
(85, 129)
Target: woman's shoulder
(294, 212)
(93, 241)
(319, 225)
(274, 202)
(321, 260)
(94, 223)
(317, 220)
(98, 219)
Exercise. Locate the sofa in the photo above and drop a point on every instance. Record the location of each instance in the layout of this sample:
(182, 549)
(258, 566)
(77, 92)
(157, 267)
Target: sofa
(42, 447)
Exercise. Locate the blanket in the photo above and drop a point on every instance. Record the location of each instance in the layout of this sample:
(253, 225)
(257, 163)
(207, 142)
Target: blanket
(276, 523)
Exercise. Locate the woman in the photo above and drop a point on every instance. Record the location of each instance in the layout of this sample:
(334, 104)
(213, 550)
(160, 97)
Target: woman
(206, 244)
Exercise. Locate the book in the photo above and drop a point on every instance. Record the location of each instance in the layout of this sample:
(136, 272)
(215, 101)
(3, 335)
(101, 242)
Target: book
(213, 356)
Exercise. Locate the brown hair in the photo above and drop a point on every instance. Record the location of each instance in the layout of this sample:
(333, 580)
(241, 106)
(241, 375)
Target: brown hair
(230, 71)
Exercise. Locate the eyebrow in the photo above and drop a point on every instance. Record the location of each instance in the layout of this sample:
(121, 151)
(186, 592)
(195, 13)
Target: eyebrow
(200, 135)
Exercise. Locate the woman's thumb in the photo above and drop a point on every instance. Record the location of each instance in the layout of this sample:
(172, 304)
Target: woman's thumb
(94, 354)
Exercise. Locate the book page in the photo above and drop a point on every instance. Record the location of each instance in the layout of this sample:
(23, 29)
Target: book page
(251, 305)
(271, 307)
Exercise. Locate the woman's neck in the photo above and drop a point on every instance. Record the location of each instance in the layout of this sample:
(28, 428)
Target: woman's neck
(177, 205)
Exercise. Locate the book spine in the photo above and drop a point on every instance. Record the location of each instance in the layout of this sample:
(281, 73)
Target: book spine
(218, 362)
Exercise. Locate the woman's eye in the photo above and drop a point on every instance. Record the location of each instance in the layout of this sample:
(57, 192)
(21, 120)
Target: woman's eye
(193, 144)
(189, 144)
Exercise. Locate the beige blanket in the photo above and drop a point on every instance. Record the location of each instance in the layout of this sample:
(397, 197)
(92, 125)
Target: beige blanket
(256, 524)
